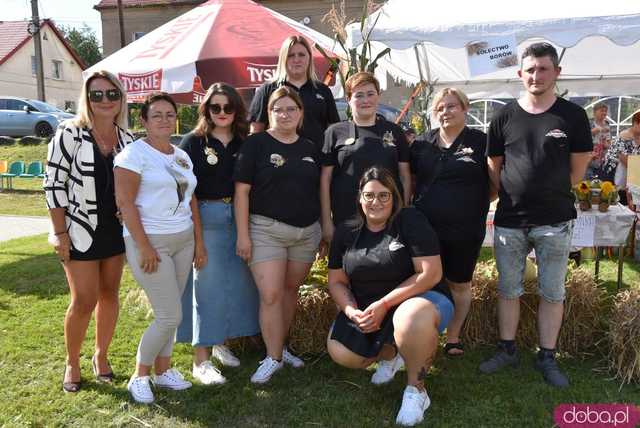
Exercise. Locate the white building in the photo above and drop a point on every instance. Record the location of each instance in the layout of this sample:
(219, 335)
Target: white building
(61, 64)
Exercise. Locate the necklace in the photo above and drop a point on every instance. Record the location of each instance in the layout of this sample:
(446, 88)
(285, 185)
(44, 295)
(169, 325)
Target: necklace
(105, 148)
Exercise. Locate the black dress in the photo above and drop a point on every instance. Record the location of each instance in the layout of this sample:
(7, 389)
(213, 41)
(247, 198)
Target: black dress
(376, 263)
(107, 241)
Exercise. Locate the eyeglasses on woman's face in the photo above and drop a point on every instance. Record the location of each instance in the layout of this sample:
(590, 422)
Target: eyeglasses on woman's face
(288, 111)
(97, 96)
(160, 117)
(382, 197)
(217, 108)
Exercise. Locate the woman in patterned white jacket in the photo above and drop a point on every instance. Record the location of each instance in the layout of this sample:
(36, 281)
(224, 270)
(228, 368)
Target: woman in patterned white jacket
(85, 230)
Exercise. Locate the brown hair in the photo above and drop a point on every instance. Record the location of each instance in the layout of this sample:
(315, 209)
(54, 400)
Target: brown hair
(286, 92)
(361, 78)
(240, 125)
(385, 178)
(635, 118)
(154, 98)
(600, 106)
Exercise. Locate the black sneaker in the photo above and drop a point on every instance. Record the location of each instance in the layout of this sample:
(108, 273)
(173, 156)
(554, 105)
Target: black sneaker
(499, 360)
(551, 372)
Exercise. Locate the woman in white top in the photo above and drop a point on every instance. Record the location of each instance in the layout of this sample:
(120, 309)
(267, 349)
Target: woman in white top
(163, 237)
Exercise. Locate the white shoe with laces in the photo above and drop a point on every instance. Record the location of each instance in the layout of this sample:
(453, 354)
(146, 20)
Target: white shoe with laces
(207, 374)
(387, 370)
(171, 379)
(140, 389)
(224, 355)
(292, 360)
(414, 403)
(267, 368)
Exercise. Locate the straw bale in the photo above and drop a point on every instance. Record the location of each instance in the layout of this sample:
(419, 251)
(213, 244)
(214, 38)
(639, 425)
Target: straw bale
(316, 311)
(624, 337)
(581, 328)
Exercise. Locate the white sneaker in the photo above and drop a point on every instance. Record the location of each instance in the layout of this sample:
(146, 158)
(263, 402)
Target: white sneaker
(292, 360)
(171, 379)
(387, 370)
(267, 368)
(140, 389)
(414, 403)
(224, 355)
(207, 374)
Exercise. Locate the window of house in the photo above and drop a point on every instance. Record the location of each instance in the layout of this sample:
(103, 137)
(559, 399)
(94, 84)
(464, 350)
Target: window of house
(33, 65)
(136, 35)
(57, 69)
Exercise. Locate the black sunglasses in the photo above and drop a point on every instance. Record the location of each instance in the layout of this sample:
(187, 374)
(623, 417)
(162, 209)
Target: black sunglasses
(217, 108)
(97, 96)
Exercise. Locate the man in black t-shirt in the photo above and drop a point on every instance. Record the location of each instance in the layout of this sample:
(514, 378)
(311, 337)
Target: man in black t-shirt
(537, 148)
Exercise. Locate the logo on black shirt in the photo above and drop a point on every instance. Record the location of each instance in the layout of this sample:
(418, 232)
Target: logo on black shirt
(556, 133)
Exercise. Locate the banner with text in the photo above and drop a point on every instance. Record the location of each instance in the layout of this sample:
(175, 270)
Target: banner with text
(492, 54)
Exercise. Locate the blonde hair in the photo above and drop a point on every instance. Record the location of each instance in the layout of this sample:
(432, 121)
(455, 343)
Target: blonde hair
(461, 96)
(84, 116)
(286, 92)
(281, 70)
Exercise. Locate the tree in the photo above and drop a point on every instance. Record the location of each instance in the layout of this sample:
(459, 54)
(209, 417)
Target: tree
(85, 43)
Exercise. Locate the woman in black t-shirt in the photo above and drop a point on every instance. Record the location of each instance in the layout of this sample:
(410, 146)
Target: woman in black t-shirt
(385, 276)
(452, 191)
(296, 70)
(352, 147)
(220, 301)
(277, 209)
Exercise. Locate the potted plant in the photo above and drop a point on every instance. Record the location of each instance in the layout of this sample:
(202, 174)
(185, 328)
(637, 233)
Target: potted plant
(608, 196)
(583, 195)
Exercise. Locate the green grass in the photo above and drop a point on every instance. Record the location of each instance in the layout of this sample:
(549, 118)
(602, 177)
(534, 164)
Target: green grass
(33, 299)
(27, 197)
(26, 153)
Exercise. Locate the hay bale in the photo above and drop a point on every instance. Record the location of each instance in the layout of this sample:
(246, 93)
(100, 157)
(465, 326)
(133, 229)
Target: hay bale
(624, 336)
(583, 304)
(316, 311)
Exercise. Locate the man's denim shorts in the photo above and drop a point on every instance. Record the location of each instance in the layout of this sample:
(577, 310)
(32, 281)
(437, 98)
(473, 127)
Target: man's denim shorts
(551, 243)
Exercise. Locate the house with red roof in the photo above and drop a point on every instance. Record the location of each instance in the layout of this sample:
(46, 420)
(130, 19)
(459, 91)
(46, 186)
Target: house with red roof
(61, 64)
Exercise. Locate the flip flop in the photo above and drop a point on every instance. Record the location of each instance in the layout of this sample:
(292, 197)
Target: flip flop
(450, 346)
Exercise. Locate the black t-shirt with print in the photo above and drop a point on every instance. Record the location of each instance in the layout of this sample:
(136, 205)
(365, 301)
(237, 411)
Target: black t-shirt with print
(319, 108)
(214, 181)
(535, 182)
(377, 262)
(456, 201)
(284, 178)
(383, 144)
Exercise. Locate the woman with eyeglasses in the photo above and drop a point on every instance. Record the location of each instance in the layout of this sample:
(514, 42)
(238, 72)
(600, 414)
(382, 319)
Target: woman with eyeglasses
(85, 230)
(352, 147)
(452, 191)
(277, 207)
(221, 300)
(385, 276)
(296, 70)
(163, 238)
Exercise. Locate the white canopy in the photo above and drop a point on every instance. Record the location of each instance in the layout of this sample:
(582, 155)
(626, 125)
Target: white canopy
(602, 41)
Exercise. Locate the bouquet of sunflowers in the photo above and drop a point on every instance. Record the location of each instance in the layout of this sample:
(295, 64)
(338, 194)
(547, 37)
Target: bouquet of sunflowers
(583, 195)
(608, 196)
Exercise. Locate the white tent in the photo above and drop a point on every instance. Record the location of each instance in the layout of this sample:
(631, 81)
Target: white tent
(598, 41)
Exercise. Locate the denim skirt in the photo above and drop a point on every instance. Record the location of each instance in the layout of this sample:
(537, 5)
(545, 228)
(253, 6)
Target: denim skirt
(221, 300)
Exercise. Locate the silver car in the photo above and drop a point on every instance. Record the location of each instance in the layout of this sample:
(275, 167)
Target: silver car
(22, 116)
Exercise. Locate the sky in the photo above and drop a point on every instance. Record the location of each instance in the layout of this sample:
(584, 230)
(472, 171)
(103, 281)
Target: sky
(64, 12)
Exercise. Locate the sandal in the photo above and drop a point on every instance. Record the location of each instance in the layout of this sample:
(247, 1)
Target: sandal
(454, 346)
(104, 378)
(69, 387)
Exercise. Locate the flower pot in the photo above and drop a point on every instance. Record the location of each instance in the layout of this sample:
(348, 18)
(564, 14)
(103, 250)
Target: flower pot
(585, 205)
(603, 207)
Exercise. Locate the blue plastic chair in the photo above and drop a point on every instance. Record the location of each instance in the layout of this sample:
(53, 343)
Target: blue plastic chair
(15, 169)
(34, 170)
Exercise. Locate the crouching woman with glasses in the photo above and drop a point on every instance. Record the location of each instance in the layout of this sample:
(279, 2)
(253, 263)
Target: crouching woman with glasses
(86, 233)
(154, 188)
(386, 277)
(277, 207)
(221, 300)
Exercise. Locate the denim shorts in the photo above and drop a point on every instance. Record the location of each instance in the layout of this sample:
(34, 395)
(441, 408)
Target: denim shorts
(443, 304)
(274, 240)
(551, 243)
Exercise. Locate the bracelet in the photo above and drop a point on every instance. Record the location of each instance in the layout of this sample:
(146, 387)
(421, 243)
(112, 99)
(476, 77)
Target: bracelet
(384, 303)
(60, 233)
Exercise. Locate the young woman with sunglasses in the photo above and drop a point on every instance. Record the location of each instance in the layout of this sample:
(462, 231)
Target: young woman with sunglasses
(385, 275)
(221, 300)
(85, 232)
